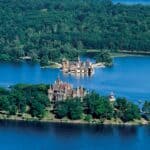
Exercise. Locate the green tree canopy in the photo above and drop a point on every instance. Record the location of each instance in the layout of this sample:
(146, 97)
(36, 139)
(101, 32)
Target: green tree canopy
(51, 29)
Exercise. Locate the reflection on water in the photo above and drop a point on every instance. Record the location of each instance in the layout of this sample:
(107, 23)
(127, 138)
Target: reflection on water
(45, 136)
(127, 131)
(122, 78)
(72, 129)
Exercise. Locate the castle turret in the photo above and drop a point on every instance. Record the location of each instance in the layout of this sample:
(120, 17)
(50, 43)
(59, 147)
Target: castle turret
(65, 65)
(112, 97)
(78, 59)
(50, 93)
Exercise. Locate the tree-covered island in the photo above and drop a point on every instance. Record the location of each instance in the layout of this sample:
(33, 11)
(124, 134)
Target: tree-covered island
(49, 30)
(30, 102)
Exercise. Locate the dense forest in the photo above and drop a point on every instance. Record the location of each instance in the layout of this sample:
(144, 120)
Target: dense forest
(19, 99)
(31, 102)
(52, 29)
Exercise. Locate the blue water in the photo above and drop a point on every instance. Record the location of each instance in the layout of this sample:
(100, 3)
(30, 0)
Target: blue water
(145, 2)
(129, 77)
(45, 136)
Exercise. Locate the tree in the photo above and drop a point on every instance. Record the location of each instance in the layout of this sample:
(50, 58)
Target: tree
(3, 91)
(75, 109)
(4, 57)
(12, 110)
(37, 109)
(88, 118)
(121, 104)
(61, 109)
(4, 103)
(127, 111)
(146, 107)
(104, 56)
(90, 101)
(98, 106)
(17, 98)
(44, 61)
(103, 108)
(24, 98)
(132, 112)
(51, 35)
(43, 99)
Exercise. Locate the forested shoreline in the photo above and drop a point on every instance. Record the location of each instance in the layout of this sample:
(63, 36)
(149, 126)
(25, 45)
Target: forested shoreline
(48, 30)
(30, 102)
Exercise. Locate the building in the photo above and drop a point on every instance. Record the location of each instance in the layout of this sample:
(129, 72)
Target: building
(77, 67)
(112, 97)
(60, 91)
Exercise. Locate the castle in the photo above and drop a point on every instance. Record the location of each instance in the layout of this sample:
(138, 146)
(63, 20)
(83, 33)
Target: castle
(60, 91)
(77, 67)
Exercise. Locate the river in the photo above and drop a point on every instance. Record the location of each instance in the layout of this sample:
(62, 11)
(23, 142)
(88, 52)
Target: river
(129, 77)
(46, 136)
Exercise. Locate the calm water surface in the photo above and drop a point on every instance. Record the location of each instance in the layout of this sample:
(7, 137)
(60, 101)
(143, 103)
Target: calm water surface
(129, 77)
(45, 136)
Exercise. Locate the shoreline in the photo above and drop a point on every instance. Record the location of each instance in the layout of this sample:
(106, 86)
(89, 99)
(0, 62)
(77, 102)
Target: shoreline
(52, 65)
(114, 122)
(119, 55)
(57, 65)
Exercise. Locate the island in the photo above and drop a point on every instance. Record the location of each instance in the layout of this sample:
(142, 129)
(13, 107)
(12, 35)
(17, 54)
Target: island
(77, 67)
(63, 83)
(48, 31)
(63, 103)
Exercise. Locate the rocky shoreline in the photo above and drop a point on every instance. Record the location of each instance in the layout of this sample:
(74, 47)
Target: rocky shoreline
(113, 121)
